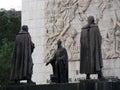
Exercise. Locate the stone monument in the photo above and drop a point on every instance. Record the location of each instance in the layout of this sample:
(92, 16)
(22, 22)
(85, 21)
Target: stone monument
(50, 20)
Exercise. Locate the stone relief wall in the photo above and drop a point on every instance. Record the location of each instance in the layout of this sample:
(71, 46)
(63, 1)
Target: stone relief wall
(64, 19)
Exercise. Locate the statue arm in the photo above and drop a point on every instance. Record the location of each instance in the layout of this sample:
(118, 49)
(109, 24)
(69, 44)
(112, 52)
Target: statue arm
(51, 60)
(48, 62)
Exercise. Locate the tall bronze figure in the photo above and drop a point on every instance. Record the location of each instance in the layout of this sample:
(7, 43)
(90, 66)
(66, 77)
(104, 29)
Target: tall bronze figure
(60, 64)
(91, 57)
(22, 63)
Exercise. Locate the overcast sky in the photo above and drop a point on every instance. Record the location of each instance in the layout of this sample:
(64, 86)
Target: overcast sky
(8, 4)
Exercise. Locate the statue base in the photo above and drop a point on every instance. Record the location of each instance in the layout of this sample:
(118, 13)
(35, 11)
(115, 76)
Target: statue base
(83, 85)
(53, 78)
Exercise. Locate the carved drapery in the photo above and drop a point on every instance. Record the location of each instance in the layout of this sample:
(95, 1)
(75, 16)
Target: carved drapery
(64, 19)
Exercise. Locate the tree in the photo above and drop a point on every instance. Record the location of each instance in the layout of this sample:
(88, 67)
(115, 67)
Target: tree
(5, 60)
(9, 27)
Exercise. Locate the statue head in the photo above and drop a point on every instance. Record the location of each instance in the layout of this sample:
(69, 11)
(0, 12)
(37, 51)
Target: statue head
(59, 42)
(25, 28)
(90, 20)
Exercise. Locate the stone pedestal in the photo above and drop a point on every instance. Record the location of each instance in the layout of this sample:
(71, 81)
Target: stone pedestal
(85, 85)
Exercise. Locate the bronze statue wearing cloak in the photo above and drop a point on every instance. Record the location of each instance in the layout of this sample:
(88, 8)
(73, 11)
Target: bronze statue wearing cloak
(90, 57)
(22, 63)
(60, 64)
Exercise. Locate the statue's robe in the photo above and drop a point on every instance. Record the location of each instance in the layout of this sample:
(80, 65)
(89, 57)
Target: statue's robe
(22, 61)
(90, 55)
(60, 65)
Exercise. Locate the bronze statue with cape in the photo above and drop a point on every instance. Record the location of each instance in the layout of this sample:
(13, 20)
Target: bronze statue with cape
(91, 57)
(22, 63)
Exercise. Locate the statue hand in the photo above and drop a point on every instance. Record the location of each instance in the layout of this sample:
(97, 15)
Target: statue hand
(47, 63)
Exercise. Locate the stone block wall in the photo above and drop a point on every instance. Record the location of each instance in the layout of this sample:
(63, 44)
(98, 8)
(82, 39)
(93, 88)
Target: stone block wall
(33, 16)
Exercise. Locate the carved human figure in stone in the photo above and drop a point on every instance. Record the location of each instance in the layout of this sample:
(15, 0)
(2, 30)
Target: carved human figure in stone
(57, 4)
(59, 31)
(117, 36)
(49, 26)
(90, 56)
(108, 45)
(82, 8)
(60, 64)
(58, 22)
(22, 63)
(64, 8)
(70, 42)
(116, 28)
(104, 4)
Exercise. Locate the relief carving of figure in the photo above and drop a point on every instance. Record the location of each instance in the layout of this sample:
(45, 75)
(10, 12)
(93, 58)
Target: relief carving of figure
(104, 4)
(58, 33)
(116, 28)
(108, 44)
(117, 38)
(82, 8)
(70, 42)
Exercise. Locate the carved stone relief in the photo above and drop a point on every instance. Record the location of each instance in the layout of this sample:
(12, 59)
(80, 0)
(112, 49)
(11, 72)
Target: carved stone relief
(82, 8)
(116, 27)
(61, 17)
(108, 45)
(118, 2)
(111, 43)
(104, 4)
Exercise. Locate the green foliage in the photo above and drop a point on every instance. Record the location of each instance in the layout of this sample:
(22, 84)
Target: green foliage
(9, 27)
(5, 60)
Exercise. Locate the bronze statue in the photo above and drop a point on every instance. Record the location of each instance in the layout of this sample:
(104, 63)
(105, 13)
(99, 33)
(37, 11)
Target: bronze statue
(22, 63)
(60, 64)
(91, 57)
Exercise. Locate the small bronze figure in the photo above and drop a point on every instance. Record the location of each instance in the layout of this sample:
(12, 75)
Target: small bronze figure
(91, 57)
(60, 64)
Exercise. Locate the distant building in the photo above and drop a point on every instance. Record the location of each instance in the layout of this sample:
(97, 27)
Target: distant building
(13, 12)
